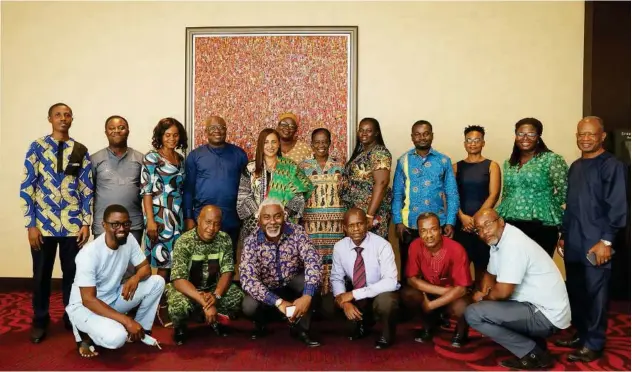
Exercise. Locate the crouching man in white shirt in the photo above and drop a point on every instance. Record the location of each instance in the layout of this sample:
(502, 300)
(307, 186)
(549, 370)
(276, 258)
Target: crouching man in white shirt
(523, 299)
(99, 301)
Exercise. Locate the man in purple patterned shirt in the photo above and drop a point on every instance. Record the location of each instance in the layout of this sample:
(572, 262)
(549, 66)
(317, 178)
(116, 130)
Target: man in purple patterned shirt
(278, 262)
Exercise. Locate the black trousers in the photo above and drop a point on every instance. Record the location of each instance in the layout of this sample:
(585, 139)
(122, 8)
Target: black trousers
(545, 236)
(382, 308)
(587, 288)
(404, 243)
(43, 262)
(253, 309)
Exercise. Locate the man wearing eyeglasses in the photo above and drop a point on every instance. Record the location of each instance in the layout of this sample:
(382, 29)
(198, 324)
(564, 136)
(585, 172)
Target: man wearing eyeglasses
(212, 178)
(523, 297)
(116, 173)
(423, 182)
(56, 194)
(291, 147)
(99, 301)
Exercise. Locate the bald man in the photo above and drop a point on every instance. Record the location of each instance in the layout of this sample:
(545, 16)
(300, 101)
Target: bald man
(201, 276)
(596, 210)
(212, 178)
(364, 279)
(523, 298)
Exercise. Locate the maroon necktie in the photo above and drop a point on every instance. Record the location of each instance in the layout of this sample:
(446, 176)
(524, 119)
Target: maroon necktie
(359, 273)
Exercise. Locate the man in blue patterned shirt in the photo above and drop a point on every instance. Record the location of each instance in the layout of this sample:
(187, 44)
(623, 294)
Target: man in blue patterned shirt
(56, 195)
(423, 182)
(278, 262)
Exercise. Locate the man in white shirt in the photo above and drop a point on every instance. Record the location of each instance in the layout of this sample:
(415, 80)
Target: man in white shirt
(367, 262)
(98, 299)
(523, 299)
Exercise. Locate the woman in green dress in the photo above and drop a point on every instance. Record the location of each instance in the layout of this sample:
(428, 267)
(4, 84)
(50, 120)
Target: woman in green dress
(271, 175)
(534, 186)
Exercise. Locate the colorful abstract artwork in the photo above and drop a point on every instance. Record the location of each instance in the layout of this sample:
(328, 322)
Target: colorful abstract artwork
(250, 76)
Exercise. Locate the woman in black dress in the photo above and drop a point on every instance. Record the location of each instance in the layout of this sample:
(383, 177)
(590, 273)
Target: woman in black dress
(478, 180)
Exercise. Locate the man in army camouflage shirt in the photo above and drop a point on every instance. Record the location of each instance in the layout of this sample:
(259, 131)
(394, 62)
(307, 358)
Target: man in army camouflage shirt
(201, 276)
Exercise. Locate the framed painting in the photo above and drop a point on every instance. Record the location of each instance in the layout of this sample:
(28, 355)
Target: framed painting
(251, 75)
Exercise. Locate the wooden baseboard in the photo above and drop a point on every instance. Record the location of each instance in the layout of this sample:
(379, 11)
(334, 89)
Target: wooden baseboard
(24, 284)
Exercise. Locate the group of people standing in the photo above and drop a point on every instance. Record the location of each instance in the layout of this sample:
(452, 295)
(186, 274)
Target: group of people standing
(291, 208)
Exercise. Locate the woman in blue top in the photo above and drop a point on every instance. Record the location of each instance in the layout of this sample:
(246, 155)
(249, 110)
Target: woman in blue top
(478, 180)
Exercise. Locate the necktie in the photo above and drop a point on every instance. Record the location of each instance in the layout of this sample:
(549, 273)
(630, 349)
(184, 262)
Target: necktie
(60, 156)
(359, 273)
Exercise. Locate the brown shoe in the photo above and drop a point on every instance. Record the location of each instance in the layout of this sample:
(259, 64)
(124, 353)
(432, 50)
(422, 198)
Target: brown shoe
(584, 355)
(571, 343)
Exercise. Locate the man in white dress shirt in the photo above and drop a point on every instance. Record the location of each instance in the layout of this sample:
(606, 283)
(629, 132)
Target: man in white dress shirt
(367, 262)
(98, 299)
(523, 298)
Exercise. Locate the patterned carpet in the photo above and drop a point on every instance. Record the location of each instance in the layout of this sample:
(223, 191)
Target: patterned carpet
(277, 352)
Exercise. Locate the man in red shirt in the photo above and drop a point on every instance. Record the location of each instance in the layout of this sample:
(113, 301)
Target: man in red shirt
(438, 273)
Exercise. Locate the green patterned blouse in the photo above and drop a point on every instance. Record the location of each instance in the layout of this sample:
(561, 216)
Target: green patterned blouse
(536, 191)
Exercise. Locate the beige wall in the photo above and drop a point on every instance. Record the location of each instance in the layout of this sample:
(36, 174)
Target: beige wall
(454, 64)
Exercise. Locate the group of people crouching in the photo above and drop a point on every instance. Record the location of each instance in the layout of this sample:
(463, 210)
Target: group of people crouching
(281, 269)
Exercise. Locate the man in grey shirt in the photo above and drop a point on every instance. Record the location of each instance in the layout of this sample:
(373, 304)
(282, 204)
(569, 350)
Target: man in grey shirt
(116, 170)
(523, 297)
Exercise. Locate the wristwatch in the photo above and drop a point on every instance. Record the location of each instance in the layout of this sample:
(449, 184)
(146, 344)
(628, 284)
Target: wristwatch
(278, 302)
(606, 243)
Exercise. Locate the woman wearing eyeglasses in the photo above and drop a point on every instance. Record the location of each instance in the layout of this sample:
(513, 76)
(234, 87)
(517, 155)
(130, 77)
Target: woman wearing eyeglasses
(291, 147)
(478, 180)
(534, 186)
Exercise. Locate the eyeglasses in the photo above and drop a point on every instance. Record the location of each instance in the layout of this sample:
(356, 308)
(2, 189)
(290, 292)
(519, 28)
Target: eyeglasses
(118, 225)
(485, 227)
(473, 140)
(216, 128)
(287, 125)
(530, 135)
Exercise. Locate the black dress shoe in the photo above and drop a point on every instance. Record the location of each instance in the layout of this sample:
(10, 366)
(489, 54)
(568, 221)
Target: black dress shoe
(260, 331)
(304, 338)
(461, 333)
(423, 335)
(179, 335)
(530, 361)
(382, 343)
(219, 329)
(358, 332)
(584, 355)
(38, 334)
(444, 321)
(571, 343)
(458, 340)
